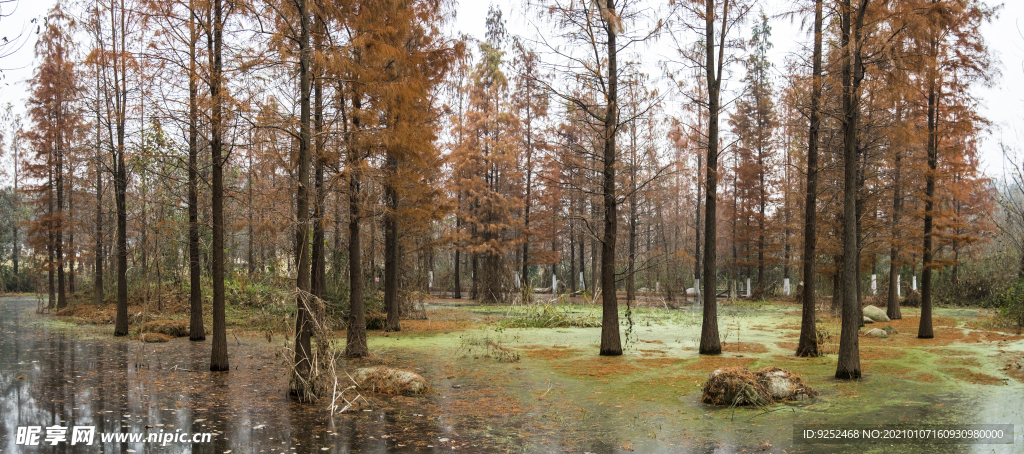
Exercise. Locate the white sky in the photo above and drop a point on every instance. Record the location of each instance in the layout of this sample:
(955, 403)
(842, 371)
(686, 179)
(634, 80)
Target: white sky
(1001, 104)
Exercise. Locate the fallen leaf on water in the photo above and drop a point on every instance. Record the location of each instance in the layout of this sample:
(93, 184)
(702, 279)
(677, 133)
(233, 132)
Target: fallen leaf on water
(20, 377)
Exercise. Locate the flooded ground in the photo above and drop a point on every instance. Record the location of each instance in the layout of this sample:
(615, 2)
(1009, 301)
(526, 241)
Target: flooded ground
(559, 396)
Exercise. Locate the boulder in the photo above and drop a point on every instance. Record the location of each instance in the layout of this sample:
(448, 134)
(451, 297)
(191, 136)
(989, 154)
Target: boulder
(868, 320)
(879, 333)
(386, 380)
(876, 314)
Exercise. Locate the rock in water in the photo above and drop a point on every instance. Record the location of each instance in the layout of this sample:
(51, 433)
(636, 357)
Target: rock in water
(868, 320)
(876, 314)
(386, 380)
(879, 333)
(778, 386)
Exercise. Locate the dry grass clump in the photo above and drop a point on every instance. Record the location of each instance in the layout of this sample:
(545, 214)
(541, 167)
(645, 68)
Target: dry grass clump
(152, 338)
(977, 378)
(100, 315)
(737, 386)
(746, 347)
(376, 320)
(600, 367)
(551, 354)
(487, 347)
(173, 328)
(385, 380)
(1015, 368)
(734, 386)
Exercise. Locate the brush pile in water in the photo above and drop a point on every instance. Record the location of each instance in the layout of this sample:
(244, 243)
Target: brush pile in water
(736, 386)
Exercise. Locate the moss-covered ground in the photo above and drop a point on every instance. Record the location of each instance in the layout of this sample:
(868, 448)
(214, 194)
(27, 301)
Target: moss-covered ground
(508, 388)
(648, 399)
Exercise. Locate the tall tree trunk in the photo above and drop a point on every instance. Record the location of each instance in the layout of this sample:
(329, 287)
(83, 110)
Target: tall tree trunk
(355, 346)
(710, 344)
(762, 205)
(391, 264)
(51, 235)
(318, 279)
(120, 173)
(808, 345)
(611, 345)
(458, 267)
(893, 306)
(631, 260)
(303, 322)
(848, 366)
(925, 328)
(16, 249)
(97, 291)
(697, 227)
(197, 331)
(572, 261)
(71, 232)
(523, 279)
(250, 247)
(219, 351)
(62, 300)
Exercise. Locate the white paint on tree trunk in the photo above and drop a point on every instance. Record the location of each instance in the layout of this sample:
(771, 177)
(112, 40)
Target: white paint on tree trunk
(657, 287)
(874, 284)
(898, 286)
(748, 288)
(430, 276)
(554, 284)
(913, 284)
(785, 287)
(583, 283)
(518, 284)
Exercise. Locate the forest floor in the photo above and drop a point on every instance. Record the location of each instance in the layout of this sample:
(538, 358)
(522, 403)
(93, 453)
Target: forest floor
(498, 387)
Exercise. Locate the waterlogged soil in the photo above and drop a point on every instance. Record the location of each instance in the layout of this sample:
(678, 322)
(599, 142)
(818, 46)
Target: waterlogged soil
(497, 389)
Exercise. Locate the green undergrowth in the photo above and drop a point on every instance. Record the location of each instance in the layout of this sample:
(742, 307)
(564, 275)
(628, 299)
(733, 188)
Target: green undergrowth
(551, 316)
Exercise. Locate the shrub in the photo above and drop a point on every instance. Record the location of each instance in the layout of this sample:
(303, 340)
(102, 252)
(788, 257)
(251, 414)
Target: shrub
(1011, 305)
(913, 299)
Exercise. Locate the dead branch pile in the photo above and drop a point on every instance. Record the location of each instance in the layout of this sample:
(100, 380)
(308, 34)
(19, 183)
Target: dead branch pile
(385, 380)
(326, 381)
(738, 386)
(913, 299)
(173, 328)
